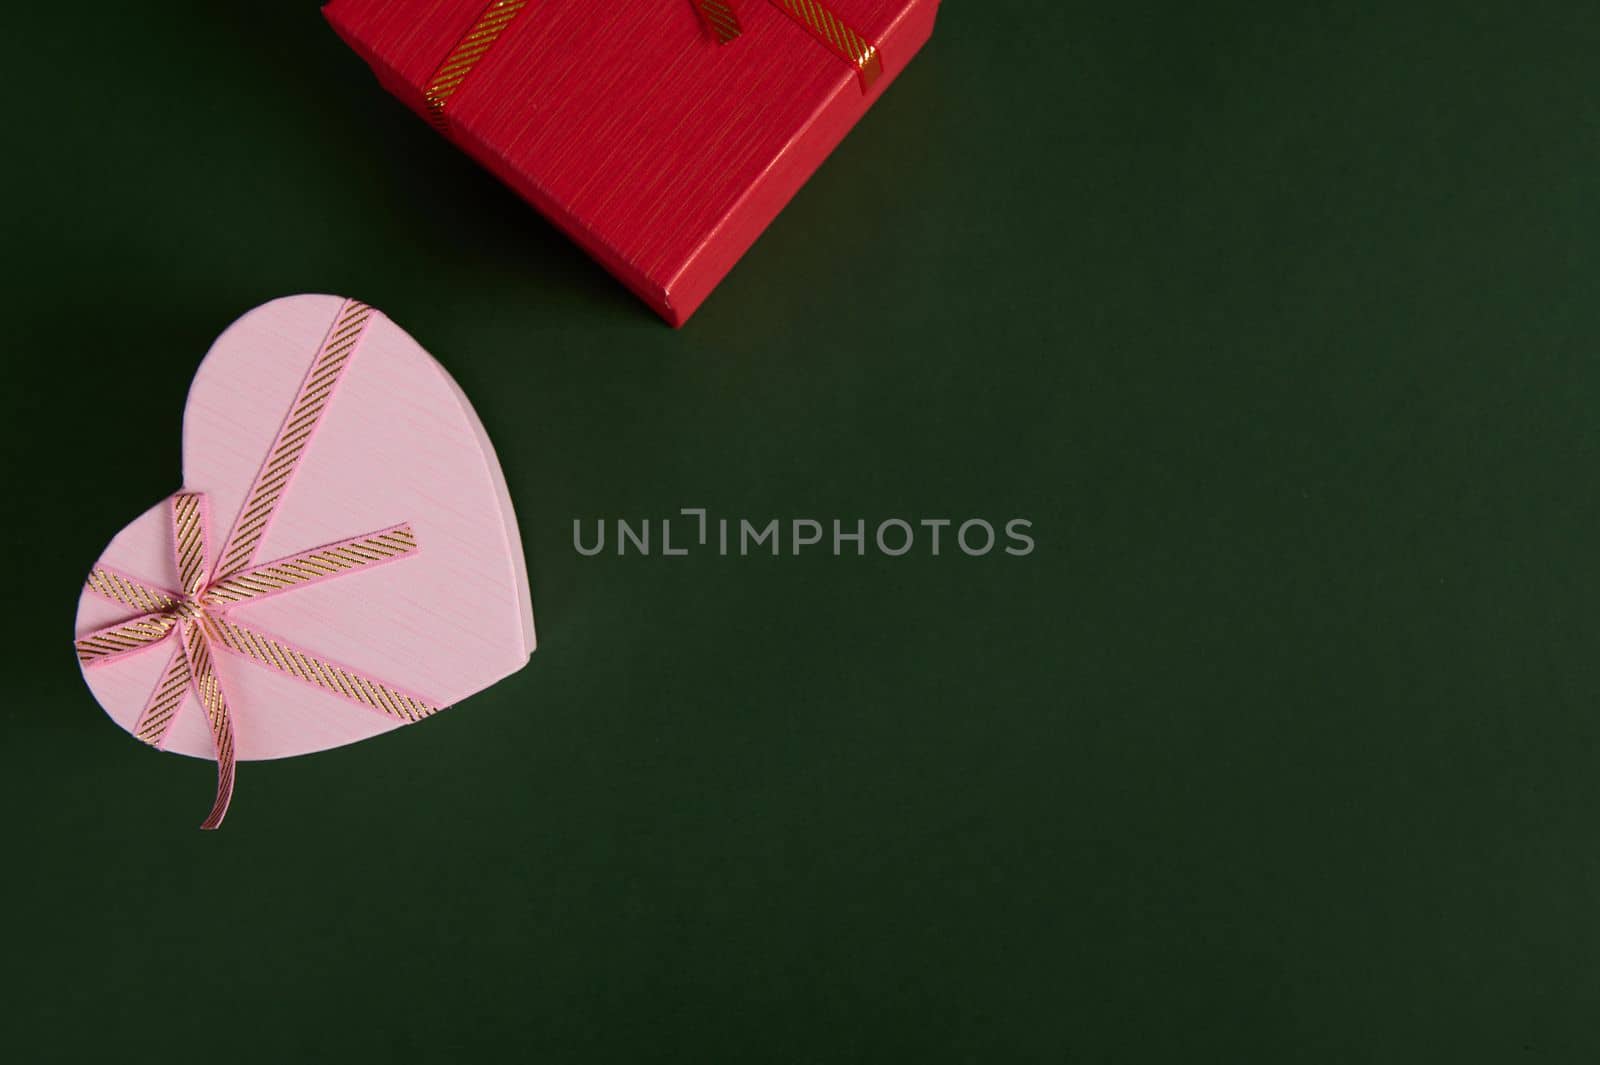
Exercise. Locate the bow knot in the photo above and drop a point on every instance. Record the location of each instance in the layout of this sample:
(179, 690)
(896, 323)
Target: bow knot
(189, 610)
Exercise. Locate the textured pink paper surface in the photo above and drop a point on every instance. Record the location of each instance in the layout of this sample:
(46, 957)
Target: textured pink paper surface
(399, 442)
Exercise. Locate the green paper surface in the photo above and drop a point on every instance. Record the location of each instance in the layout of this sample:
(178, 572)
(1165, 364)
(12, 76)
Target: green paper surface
(1283, 745)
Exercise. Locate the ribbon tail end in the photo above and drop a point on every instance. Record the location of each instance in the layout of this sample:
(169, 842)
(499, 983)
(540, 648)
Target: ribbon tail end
(219, 808)
(870, 70)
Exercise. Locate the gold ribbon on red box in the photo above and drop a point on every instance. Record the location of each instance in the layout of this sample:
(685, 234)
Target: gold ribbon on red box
(721, 19)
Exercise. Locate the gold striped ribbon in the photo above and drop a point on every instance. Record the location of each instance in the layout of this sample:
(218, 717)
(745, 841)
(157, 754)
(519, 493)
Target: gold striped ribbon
(826, 26)
(199, 611)
(721, 19)
(474, 44)
(284, 456)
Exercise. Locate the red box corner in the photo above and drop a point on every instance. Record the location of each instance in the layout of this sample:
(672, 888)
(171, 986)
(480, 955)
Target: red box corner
(660, 152)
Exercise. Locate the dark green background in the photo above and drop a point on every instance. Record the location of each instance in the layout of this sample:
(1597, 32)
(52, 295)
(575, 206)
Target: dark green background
(1284, 746)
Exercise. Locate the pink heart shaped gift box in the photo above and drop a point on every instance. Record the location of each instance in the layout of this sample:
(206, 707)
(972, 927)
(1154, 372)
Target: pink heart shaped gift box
(343, 559)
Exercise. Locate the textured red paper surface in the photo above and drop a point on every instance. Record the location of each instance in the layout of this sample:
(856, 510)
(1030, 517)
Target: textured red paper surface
(659, 151)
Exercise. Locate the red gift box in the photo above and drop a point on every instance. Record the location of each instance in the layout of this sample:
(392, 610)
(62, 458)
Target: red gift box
(661, 135)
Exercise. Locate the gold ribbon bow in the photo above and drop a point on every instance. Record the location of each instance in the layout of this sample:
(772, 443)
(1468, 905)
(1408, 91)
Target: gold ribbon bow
(198, 612)
(721, 18)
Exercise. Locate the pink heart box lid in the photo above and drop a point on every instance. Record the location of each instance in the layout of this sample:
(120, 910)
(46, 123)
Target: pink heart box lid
(397, 442)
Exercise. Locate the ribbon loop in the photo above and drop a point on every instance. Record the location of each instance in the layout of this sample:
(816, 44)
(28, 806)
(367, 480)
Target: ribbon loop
(189, 541)
(114, 641)
(121, 588)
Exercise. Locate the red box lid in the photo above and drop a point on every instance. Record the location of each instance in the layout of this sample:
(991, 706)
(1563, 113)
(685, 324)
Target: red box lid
(661, 152)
